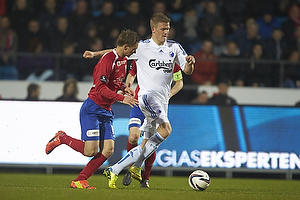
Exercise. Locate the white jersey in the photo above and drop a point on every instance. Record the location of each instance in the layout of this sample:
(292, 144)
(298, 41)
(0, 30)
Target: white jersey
(155, 66)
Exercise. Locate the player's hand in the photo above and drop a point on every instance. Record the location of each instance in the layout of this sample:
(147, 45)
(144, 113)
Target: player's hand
(128, 91)
(130, 101)
(88, 54)
(190, 60)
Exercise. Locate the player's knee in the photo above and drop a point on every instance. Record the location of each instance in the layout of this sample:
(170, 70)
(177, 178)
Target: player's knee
(133, 138)
(108, 152)
(164, 130)
(168, 132)
(134, 134)
(90, 153)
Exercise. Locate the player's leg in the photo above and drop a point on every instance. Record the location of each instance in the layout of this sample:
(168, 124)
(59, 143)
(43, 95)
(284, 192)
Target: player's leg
(106, 150)
(149, 147)
(96, 135)
(147, 168)
(146, 173)
(158, 127)
(87, 148)
(127, 160)
(112, 172)
(163, 131)
(133, 137)
(157, 112)
(135, 122)
(78, 145)
(136, 119)
(134, 134)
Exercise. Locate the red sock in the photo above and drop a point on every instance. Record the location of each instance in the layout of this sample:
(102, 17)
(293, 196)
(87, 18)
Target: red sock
(130, 146)
(77, 145)
(91, 167)
(148, 166)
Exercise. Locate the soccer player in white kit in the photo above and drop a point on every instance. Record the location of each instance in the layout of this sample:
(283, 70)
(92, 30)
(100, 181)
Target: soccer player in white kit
(155, 59)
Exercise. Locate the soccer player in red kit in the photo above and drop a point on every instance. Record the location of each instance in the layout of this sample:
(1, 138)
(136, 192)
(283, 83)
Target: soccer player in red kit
(96, 115)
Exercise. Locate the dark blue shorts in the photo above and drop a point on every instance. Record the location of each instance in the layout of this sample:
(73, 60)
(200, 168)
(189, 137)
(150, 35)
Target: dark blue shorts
(96, 122)
(136, 117)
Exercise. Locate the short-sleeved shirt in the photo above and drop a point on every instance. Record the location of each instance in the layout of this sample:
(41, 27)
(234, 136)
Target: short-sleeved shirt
(155, 64)
(177, 75)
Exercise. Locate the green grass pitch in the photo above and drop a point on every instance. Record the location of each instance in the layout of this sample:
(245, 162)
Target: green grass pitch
(56, 186)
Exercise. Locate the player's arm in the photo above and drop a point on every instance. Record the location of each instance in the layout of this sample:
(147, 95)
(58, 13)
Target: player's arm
(129, 100)
(127, 90)
(186, 62)
(102, 71)
(189, 65)
(104, 91)
(131, 74)
(177, 77)
(91, 54)
(130, 79)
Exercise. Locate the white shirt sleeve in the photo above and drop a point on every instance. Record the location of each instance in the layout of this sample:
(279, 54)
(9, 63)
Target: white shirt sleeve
(180, 56)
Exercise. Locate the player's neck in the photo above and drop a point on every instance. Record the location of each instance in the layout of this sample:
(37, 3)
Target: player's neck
(159, 43)
(120, 51)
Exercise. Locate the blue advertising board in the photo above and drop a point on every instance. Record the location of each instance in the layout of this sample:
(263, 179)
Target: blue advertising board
(226, 137)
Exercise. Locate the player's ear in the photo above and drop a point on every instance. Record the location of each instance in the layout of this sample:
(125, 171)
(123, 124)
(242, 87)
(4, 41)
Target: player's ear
(126, 47)
(152, 29)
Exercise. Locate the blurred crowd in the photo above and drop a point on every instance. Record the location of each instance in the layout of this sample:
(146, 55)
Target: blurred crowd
(221, 34)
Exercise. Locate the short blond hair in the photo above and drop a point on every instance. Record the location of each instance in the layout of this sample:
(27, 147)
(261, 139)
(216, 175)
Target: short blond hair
(158, 18)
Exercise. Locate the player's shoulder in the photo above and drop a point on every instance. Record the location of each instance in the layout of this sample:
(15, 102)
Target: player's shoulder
(143, 42)
(108, 57)
(175, 45)
(172, 44)
(109, 54)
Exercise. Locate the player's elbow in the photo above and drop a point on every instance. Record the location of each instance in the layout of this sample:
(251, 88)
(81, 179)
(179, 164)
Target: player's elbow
(188, 70)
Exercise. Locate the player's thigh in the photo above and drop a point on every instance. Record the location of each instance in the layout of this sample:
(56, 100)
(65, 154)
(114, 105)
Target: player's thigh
(107, 137)
(91, 148)
(108, 147)
(153, 109)
(89, 121)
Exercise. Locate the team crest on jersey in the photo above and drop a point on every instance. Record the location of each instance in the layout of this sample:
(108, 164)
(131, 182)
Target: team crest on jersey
(171, 54)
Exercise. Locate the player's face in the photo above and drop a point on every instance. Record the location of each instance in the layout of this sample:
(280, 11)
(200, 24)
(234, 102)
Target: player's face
(161, 32)
(128, 51)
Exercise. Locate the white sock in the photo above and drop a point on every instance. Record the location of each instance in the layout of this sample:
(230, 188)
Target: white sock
(127, 160)
(151, 145)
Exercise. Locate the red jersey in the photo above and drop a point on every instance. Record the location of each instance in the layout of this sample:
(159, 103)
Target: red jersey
(108, 75)
(133, 72)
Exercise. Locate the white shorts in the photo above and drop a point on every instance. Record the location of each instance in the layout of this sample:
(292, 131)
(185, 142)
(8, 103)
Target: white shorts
(155, 113)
